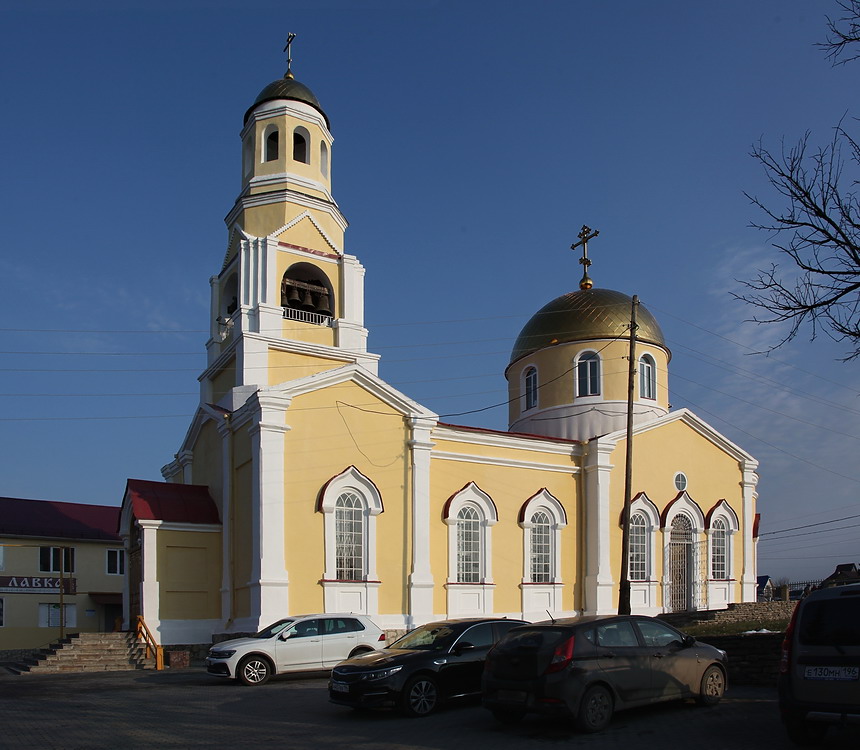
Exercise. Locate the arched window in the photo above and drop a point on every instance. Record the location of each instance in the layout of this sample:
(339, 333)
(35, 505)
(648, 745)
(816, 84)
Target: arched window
(542, 557)
(300, 145)
(638, 563)
(468, 545)
(531, 388)
(588, 374)
(324, 158)
(271, 146)
(647, 377)
(719, 549)
(349, 521)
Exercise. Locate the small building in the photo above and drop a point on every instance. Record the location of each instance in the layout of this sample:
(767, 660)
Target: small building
(58, 559)
(765, 589)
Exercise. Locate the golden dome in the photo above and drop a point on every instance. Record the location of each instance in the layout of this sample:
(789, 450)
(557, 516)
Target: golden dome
(584, 315)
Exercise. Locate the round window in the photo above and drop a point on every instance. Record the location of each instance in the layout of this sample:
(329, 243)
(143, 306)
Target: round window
(680, 481)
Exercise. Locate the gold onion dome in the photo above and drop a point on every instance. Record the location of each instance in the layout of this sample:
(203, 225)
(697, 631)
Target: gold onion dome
(287, 88)
(582, 316)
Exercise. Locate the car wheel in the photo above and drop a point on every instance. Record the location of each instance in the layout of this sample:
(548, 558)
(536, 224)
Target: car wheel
(420, 697)
(713, 686)
(805, 733)
(253, 670)
(508, 715)
(359, 652)
(595, 710)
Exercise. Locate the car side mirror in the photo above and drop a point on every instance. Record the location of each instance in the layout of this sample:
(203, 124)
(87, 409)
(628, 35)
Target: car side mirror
(463, 646)
(283, 636)
(688, 641)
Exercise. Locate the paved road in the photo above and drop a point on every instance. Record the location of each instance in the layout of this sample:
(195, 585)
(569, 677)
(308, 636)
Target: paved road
(188, 708)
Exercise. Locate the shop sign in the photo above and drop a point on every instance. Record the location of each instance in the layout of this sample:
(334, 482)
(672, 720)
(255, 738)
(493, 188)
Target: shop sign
(36, 585)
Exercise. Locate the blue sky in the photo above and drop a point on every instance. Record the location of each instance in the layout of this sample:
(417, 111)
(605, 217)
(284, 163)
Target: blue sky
(472, 141)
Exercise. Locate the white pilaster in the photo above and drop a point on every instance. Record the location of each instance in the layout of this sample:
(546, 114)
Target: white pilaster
(599, 584)
(269, 582)
(421, 577)
(149, 589)
(750, 571)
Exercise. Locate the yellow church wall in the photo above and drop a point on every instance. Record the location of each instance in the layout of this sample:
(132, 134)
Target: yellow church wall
(189, 575)
(305, 234)
(327, 435)
(712, 475)
(509, 487)
(206, 467)
(261, 221)
(286, 366)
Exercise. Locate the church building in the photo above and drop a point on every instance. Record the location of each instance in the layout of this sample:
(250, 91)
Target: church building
(307, 484)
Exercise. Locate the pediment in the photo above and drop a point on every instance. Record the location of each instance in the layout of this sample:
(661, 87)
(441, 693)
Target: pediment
(304, 231)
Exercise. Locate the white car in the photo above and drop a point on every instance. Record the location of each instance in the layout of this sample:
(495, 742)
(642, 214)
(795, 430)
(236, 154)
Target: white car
(294, 644)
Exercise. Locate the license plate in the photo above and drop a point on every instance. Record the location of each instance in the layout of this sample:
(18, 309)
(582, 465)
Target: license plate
(511, 696)
(339, 687)
(831, 673)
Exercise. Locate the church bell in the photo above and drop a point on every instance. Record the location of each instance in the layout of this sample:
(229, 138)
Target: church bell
(324, 306)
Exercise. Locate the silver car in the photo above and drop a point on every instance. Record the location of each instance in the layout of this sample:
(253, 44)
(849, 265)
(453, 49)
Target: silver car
(295, 644)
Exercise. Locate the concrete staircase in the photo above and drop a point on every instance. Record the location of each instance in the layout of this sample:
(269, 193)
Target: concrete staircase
(88, 652)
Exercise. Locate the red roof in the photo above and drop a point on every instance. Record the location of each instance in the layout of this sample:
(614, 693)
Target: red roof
(167, 501)
(48, 518)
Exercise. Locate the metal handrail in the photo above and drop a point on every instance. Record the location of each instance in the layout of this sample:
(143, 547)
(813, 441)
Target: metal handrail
(142, 634)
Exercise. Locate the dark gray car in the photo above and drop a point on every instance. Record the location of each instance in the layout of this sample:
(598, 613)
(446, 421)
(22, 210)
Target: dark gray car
(590, 667)
(819, 680)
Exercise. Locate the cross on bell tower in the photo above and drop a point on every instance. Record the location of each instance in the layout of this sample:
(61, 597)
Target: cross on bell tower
(585, 234)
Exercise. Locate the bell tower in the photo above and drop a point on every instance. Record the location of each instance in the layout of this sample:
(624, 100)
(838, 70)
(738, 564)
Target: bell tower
(288, 301)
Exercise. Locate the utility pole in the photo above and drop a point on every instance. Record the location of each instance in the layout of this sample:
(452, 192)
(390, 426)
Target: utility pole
(624, 589)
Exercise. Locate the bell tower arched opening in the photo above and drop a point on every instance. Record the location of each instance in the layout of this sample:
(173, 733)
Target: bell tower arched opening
(307, 294)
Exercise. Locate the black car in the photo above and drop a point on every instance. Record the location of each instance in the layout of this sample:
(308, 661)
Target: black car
(428, 665)
(589, 667)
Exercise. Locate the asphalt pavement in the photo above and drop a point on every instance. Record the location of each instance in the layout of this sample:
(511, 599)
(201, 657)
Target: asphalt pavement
(184, 708)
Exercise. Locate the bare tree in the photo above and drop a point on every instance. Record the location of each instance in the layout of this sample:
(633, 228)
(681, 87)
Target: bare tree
(819, 229)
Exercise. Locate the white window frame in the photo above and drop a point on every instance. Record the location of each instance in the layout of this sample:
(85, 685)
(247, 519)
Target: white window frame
(721, 591)
(719, 547)
(638, 569)
(530, 388)
(350, 510)
(360, 597)
(647, 377)
(538, 597)
(471, 598)
(62, 553)
(596, 381)
(324, 158)
(47, 609)
(119, 553)
(644, 593)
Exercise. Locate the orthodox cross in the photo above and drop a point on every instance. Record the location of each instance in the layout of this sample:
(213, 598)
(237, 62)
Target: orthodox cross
(585, 234)
(288, 50)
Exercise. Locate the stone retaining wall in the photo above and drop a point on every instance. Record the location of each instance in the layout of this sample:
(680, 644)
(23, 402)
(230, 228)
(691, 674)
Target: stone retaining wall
(753, 658)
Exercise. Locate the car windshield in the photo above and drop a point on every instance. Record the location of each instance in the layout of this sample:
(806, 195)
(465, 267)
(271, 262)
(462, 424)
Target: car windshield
(427, 638)
(274, 629)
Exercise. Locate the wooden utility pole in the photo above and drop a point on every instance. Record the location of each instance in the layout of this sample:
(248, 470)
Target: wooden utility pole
(624, 589)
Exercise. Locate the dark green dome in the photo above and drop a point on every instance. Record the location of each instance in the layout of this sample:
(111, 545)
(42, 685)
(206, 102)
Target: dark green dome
(287, 88)
(584, 315)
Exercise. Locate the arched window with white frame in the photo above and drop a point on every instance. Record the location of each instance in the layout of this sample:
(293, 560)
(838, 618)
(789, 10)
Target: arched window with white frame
(470, 515)
(643, 558)
(722, 524)
(350, 521)
(542, 518)
(647, 377)
(718, 550)
(587, 374)
(530, 383)
(638, 563)
(469, 540)
(350, 503)
(324, 158)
